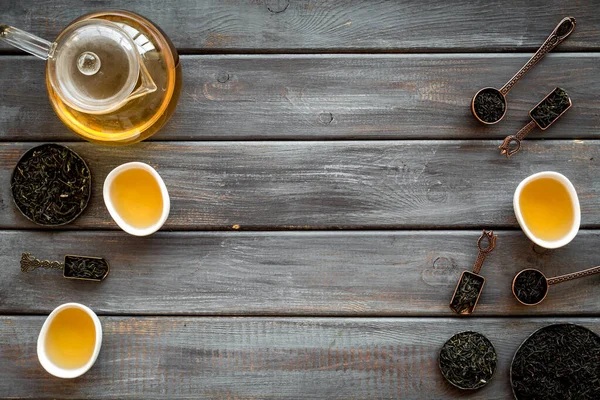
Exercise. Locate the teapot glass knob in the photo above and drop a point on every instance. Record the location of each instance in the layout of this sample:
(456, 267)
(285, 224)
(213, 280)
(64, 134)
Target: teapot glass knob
(88, 63)
(75, 67)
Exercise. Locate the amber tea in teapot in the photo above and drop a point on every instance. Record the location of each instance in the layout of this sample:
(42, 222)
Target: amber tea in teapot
(112, 76)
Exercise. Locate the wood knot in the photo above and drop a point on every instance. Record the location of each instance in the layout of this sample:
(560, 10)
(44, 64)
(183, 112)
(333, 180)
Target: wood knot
(326, 118)
(442, 272)
(277, 6)
(436, 192)
(222, 77)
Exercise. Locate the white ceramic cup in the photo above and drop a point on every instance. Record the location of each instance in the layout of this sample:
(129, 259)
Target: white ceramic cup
(41, 344)
(113, 212)
(574, 200)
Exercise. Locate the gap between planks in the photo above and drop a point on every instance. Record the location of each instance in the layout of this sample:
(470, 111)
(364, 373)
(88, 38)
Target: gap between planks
(292, 316)
(351, 52)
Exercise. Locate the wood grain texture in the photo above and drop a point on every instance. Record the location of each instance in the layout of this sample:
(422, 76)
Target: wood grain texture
(249, 314)
(375, 273)
(333, 25)
(326, 185)
(258, 358)
(332, 97)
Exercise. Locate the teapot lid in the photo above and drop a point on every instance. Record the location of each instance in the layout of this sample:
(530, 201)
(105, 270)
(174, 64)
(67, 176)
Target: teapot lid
(94, 66)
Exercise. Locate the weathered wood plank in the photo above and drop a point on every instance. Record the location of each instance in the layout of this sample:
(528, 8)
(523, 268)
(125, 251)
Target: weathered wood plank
(258, 358)
(339, 184)
(333, 25)
(377, 273)
(335, 97)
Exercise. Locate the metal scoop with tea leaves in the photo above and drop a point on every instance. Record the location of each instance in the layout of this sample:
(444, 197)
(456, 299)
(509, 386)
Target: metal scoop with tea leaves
(530, 286)
(489, 104)
(74, 267)
(470, 285)
(544, 114)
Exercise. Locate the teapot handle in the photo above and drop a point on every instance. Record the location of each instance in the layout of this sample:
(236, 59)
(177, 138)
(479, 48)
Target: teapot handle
(27, 42)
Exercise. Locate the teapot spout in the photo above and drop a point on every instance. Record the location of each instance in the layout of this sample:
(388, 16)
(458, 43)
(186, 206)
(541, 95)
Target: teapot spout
(147, 84)
(27, 42)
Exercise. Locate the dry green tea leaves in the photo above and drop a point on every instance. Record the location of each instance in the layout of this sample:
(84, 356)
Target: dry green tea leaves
(552, 107)
(51, 185)
(87, 268)
(467, 292)
(530, 286)
(489, 105)
(557, 362)
(468, 360)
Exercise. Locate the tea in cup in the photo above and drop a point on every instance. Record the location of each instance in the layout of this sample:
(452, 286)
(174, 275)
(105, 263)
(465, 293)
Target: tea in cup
(70, 340)
(547, 209)
(136, 198)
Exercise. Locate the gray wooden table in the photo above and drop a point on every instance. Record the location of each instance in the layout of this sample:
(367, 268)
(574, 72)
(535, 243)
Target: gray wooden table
(328, 184)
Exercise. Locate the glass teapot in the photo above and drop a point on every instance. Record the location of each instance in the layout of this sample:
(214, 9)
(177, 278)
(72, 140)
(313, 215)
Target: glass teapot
(112, 77)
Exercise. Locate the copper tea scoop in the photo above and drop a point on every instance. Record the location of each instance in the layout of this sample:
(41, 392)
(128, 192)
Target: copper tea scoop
(75, 267)
(530, 286)
(496, 99)
(544, 114)
(470, 285)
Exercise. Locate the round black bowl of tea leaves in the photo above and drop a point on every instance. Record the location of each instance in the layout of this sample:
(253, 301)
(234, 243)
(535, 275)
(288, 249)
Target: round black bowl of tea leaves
(557, 362)
(51, 185)
(468, 360)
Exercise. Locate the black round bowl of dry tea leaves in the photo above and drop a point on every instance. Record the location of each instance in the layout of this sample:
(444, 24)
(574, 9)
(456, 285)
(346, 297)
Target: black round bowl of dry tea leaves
(557, 362)
(51, 185)
(468, 360)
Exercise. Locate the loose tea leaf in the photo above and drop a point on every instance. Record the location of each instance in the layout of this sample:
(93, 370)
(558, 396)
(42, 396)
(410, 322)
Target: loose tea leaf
(557, 362)
(530, 286)
(466, 293)
(468, 360)
(489, 105)
(51, 185)
(550, 108)
(79, 267)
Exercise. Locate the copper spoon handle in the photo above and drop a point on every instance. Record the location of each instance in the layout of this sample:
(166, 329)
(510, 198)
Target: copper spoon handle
(553, 40)
(574, 275)
(505, 146)
(484, 251)
(30, 263)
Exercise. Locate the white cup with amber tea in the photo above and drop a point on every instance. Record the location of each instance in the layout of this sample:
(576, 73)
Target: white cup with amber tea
(70, 341)
(547, 209)
(137, 198)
